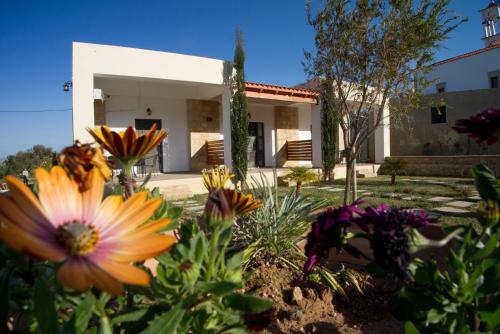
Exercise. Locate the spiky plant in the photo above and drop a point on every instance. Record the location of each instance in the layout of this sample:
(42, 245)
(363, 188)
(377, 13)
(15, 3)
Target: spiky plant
(393, 167)
(300, 175)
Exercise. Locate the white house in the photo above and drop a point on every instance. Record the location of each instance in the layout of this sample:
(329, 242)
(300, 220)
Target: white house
(463, 86)
(189, 97)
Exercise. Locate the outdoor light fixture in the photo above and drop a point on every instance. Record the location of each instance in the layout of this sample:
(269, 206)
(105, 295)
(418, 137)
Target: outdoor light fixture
(67, 86)
(149, 111)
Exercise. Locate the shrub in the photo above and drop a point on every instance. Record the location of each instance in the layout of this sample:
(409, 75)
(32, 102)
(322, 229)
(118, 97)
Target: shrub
(392, 167)
(300, 175)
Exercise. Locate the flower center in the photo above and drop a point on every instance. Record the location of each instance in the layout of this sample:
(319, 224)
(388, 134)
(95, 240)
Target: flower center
(77, 238)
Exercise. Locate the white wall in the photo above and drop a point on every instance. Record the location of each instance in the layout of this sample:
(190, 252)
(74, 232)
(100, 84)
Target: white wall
(469, 73)
(93, 60)
(123, 105)
(265, 113)
(305, 121)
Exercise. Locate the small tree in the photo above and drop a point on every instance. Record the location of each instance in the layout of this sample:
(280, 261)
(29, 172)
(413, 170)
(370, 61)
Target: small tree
(300, 175)
(374, 51)
(393, 167)
(239, 114)
(329, 129)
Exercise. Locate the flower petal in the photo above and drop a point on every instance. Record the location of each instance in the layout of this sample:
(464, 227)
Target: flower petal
(125, 273)
(22, 241)
(92, 197)
(25, 199)
(139, 250)
(59, 195)
(74, 274)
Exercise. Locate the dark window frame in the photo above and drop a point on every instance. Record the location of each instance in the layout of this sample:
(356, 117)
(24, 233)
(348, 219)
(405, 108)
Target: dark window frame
(494, 81)
(438, 115)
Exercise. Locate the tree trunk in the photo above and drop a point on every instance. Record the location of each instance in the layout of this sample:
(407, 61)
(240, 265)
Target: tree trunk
(393, 179)
(298, 188)
(348, 182)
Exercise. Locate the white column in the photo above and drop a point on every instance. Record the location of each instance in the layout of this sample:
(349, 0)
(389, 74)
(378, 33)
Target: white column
(83, 98)
(383, 138)
(226, 125)
(317, 160)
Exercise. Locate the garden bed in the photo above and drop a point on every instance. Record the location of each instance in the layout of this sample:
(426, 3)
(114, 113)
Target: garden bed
(311, 307)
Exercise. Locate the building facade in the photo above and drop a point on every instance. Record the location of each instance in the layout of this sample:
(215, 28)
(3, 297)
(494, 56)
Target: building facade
(463, 86)
(189, 97)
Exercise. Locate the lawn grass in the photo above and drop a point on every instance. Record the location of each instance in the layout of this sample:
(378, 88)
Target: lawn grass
(410, 186)
(380, 186)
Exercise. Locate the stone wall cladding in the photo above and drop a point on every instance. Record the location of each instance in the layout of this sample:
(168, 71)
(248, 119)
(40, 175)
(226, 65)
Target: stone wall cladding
(408, 139)
(203, 125)
(448, 165)
(286, 121)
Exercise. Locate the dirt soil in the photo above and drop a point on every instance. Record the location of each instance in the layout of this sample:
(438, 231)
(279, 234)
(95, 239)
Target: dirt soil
(312, 307)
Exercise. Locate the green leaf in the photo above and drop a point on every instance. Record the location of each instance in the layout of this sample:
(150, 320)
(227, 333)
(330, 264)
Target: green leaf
(486, 183)
(4, 297)
(44, 307)
(410, 328)
(490, 246)
(433, 316)
(80, 319)
(105, 326)
(166, 323)
(491, 284)
(375, 270)
(218, 288)
(130, 316)
(248, 304)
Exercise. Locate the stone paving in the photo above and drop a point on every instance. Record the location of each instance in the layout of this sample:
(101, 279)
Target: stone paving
(449, 209)
(460, 204)
(440, 199)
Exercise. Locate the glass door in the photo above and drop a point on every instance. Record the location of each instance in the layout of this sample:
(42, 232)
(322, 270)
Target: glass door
(256, 155)
(153, 162)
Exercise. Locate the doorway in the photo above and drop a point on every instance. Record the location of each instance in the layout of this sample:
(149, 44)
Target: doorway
(153, 162)
(256, 154)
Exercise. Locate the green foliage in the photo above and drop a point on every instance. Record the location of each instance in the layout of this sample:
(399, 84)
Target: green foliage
(198, 278)
(300, 175)
(37, 156)
(373, 51)
(239, 114)
(463, 296)
(392, 167)
(273, 231)
(329, 129)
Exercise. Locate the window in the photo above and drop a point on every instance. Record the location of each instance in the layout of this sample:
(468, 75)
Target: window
(438, 115)
(494, 82)
(441, 87)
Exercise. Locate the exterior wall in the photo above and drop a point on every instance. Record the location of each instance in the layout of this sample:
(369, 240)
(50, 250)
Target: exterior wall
(93, 60)
(203, 119)
(121, 112)
(449, 165)
(408, 139)
(469, 73)
(305, 121)
(265, 113)
(287, 128)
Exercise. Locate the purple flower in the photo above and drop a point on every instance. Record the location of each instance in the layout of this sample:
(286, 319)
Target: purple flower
(390, 236)
(328, 231)
(484, 126)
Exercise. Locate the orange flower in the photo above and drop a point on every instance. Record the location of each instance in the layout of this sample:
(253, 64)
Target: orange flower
(228, 203)
(78, 160)
(126, 146)
(216, 178)
(97, 242)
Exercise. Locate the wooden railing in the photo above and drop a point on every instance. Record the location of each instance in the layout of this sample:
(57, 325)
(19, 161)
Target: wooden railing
(215, 152)
(299, 150)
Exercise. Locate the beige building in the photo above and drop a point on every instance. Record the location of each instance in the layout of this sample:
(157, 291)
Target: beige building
(463, 86)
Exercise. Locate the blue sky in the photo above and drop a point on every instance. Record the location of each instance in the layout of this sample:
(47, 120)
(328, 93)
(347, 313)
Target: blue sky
(36, 36)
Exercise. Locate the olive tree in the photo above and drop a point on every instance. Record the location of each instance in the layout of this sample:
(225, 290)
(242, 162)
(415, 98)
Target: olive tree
(374, 52)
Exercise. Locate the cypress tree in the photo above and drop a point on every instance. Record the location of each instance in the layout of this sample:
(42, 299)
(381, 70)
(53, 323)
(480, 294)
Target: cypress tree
(329, 129)
(239, 114)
